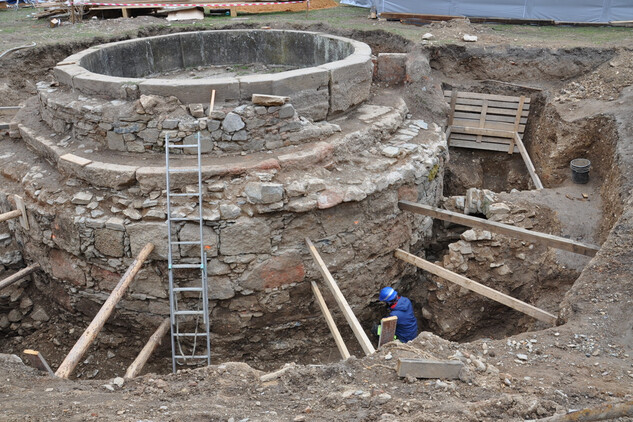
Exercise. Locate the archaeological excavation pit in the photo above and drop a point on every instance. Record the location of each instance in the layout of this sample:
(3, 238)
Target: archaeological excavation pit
(330, 164)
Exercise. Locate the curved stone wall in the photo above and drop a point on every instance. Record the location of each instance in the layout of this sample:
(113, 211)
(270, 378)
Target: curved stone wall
(334, 72)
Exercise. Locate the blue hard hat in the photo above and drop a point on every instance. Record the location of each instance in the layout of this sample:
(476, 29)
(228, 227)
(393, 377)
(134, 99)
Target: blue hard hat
(387, 294)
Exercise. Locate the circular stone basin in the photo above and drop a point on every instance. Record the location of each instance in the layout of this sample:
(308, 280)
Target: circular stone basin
(331, 74)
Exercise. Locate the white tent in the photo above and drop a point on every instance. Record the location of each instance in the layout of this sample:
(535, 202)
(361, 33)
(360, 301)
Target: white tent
(558, 10)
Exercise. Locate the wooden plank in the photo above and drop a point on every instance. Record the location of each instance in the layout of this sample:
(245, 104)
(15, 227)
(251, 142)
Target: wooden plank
(24, 220)
(86, 339)
(508, 112)
(486, 131)
(482, 96)
(211, 102)
(37, 360)
(453, 102)
(472, 285)
(505, 229)
(387, 330)
(602, 412)
(485, 146)
(125, 12)
(155, 339)
(491, 117)
(490, 139)
(338, 339)
(479, 102)
(482, 118)
(508, 127)
(368, 348)
(424, 368)
(19, 275)
(517, 119)
(528, 162)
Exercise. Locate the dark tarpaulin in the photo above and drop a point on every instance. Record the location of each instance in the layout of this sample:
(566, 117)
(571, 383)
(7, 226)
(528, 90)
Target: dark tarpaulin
(557, 10)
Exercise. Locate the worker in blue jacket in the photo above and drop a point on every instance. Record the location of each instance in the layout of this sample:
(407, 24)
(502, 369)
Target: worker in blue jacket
(400, 306)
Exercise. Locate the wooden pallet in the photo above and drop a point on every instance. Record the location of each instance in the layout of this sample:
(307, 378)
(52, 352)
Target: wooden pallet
(489, 122)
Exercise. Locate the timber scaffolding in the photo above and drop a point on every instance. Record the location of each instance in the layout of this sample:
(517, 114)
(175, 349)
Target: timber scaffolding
(500, 297)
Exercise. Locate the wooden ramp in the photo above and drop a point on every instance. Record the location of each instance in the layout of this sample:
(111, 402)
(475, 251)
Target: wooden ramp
(489, 122)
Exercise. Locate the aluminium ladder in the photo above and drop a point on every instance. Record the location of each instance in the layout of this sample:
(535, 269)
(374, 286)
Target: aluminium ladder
(185, 315)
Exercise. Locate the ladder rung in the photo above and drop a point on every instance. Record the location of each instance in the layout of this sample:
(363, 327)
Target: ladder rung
(190, 334)
(188, 312)
(183, 219)
(187, 289)
(186, 266)
(183, 146)
(186, 242)
(183, 170)
(185, 194)
(191, 357)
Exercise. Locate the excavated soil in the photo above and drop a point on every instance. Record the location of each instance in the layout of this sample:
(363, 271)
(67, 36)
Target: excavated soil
(538, 371)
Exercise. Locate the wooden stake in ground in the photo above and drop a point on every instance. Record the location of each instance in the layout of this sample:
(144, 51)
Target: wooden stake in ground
(387, 330)
(368, 348)
(137, 366)
(86, 339)
(342, 348)
(38, 361)
(19, 275)
(472, 285)
(211, 103)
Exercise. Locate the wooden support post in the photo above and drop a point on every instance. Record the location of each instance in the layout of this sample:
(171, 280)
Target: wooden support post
(368, 348)
(233, 11)
(125, 12)
(38, 361)
(212, 102)
(506, 229)
(528, 162)
(472, 285)
(608, 411)
(137, 366)
(86, 339)
(342, 348)
(19, 275)
(387, 330)
(482, 119)
(10, 215)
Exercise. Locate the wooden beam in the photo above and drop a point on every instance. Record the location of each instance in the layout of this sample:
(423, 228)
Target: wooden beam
(506, 229)
(19, 204)
(38, 361)
(387, 330)
(424, 368)
(452, 115)
(10, 215)
(342, 348)
(606, 411)
(19, 275)
(211, 102)
(86, 339)
(155, 339)
(472, 285)
(528, 162)
(483, 131)
(368, 348)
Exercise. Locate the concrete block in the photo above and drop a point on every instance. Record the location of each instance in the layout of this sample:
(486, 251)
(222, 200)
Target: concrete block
(166, 54)
(423, 368)
(107, 174)
(198, 91)
(254, 84)
(349, 83)
(193, 53)
(109, 86)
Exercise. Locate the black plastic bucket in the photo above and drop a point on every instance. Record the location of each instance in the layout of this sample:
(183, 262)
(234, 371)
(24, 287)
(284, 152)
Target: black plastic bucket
(580, 170)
